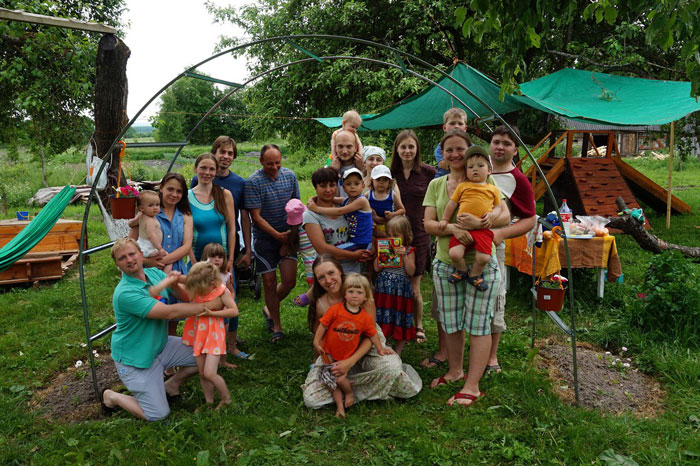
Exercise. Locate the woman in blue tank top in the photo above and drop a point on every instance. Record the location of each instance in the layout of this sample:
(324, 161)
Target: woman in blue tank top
(212, 211)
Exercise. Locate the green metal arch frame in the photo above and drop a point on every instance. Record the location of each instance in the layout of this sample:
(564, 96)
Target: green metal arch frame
(398, 53)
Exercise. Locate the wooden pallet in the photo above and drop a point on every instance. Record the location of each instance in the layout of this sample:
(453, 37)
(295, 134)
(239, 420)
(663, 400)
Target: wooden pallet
(32, 268)
(599, 183)
(62, 239)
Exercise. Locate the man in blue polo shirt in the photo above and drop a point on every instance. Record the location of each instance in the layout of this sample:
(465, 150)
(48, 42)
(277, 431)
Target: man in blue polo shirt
(141, 347)
(225, 151)
(267, 192)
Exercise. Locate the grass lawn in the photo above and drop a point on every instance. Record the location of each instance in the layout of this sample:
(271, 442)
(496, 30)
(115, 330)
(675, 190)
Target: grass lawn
(519, 422)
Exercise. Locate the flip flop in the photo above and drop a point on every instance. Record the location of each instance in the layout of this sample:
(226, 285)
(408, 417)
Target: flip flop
(276, 337)
(268, 322)
(443, 381)
(302, 300)
(434, 361)
(243, 355)
(467, 396)
(495, 369)
(420, 335)
(106, 410)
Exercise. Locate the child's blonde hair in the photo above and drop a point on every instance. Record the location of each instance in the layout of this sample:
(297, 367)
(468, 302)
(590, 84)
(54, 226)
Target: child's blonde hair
(351, 116)
(454, 112)
(215, 250)
(203, 276)
(400, 224)
(144, 195)
(355, 280)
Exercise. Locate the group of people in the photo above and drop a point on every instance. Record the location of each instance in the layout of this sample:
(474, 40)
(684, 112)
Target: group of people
(355, 301)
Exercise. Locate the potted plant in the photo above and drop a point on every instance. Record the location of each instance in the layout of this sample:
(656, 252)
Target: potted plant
(124, 202)
(550, 293)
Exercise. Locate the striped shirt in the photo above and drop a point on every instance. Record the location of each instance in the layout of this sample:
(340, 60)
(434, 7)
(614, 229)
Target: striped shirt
(271, 196)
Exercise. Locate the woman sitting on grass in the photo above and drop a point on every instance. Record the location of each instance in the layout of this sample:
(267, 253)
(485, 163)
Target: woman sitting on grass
(373, 377)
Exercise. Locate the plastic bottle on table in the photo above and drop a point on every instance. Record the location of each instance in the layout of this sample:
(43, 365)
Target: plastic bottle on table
(565, 213)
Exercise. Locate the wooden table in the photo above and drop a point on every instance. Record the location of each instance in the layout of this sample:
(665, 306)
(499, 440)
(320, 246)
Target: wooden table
(594, 253)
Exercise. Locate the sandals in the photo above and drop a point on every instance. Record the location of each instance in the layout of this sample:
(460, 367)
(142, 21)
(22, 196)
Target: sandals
(457, 276)
(243, 355)
(173, 399)
(276, 337)
(434, 361)
(467, 396)
(420, 335)
(268, 321)
(495, 369)
(443, 381)
(302, 300)
(478, 281)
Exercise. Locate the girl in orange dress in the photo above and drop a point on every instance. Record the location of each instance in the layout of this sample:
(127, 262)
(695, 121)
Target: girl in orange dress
(207, 335)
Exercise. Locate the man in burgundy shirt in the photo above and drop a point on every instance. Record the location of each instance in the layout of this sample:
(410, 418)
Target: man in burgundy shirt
(521, 202)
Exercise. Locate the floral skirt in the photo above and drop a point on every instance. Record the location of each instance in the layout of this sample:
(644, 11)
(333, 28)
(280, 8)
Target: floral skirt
(393, 297)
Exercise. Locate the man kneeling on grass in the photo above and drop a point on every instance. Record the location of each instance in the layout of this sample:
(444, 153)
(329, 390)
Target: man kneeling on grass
(141, 347)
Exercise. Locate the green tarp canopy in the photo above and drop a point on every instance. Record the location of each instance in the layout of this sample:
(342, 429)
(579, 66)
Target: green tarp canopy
(604, 98)
(426, 108)
(580, 95)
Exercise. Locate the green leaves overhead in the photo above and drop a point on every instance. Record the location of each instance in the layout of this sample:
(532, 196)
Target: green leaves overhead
(47, 73)
(512, 42)
(664, 34)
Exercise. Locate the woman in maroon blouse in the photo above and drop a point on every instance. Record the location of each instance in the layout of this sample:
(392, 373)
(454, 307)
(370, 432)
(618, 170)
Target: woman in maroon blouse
(412, 177)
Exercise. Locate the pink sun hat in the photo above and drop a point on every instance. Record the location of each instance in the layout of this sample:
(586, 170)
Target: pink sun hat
(295, 210)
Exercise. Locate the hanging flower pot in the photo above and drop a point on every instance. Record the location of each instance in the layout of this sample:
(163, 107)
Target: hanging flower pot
(123, 207)
(550, 295)
(124, 202)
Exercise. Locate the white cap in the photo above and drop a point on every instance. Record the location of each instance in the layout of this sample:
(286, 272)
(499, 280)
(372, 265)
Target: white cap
(350, 171)
(381, 171)
(373, 150)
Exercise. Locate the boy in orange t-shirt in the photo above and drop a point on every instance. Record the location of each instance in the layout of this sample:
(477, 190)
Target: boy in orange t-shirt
(339, 333)
(483, 200)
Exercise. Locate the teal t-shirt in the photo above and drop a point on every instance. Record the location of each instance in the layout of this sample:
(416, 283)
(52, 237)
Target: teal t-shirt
(137, 340)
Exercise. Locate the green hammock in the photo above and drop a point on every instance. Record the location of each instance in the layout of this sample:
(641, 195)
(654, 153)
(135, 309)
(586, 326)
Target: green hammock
(36, 229)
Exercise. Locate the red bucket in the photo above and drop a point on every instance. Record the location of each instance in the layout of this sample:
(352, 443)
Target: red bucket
(549, 299)
(123, 207)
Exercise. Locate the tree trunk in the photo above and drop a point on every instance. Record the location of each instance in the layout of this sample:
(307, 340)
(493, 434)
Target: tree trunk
(43, 166)
(4, 199)
(645, 239)
(111, 90)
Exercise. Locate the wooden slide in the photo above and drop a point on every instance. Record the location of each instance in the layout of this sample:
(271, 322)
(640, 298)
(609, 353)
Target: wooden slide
(648, 191)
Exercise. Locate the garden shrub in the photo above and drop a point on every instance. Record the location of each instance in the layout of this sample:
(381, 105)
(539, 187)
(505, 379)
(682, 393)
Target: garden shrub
(670, 311)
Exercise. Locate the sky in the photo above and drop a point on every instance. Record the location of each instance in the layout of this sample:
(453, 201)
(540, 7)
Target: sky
(166, 36)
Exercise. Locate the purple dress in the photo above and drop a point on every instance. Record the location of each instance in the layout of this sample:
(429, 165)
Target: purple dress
(412, 192)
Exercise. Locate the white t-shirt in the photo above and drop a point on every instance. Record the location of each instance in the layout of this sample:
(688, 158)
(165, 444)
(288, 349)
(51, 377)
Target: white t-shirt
(335, 232)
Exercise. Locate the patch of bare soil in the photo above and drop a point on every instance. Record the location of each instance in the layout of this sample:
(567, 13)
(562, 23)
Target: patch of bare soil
(605, 382)
(71, 397)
